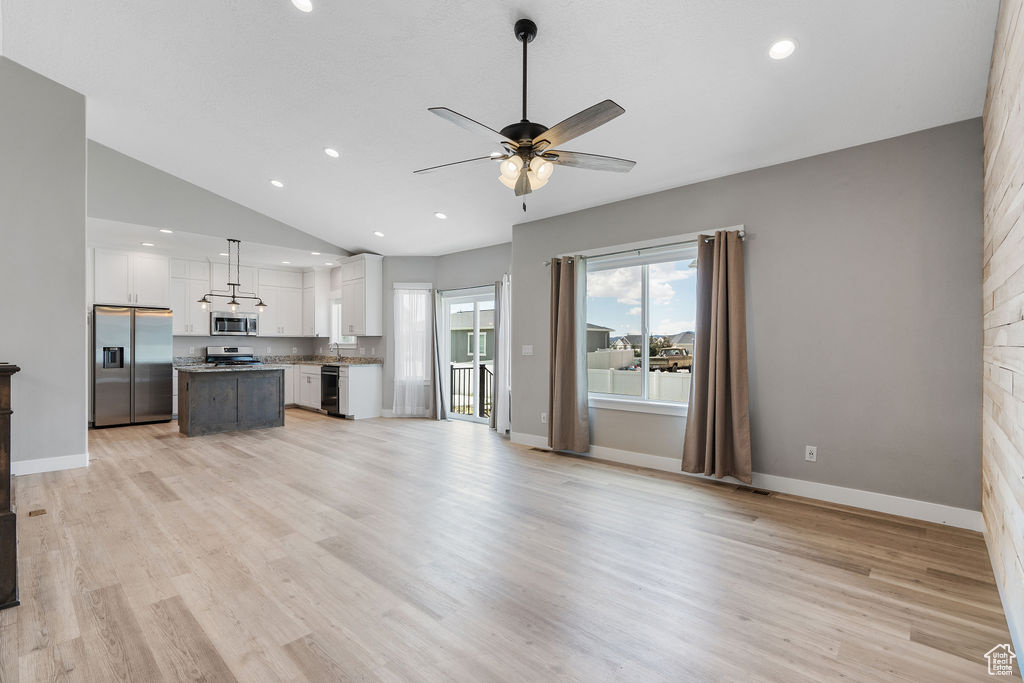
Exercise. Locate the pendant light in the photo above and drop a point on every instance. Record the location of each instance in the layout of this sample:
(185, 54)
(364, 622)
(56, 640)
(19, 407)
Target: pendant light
(234, 258)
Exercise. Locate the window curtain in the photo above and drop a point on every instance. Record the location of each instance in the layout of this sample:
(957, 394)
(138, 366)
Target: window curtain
(501, 416)
(568, 416)
(413, 363)
(440, 371)
(717, 440)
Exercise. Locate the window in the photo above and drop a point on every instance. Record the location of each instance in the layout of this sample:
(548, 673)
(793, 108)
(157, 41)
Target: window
(481, 344)
(336, 336)
(640, 319)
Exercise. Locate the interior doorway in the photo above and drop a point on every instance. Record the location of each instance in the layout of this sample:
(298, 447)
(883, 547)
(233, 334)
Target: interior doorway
(469, 319)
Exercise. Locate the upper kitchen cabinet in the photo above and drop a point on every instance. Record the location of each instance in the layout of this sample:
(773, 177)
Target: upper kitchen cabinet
(316, 304)
(281, 291)
(190, 281)
(131, 279)
(361, 313)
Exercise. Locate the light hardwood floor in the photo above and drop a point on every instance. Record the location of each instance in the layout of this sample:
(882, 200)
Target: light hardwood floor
(414, 550)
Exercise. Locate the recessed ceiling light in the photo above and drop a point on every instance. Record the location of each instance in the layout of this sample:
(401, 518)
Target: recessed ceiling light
(378, 233)
(331, 152)
(303, 5)
(286, 262)
(223, 253)
(147, 244)
(329, 263)
(315, 253)
(166, 231)
(781, 49)
(277, 183)
(438, 214)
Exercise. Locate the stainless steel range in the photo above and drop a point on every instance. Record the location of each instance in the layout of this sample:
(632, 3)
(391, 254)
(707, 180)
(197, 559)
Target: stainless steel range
(231, 355)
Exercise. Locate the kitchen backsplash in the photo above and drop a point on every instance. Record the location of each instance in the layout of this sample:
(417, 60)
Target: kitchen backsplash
(262, 346)
(192, 350)
(366, 347)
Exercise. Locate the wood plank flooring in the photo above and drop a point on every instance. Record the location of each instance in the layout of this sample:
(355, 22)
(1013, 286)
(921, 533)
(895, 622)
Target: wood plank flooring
(413, 550)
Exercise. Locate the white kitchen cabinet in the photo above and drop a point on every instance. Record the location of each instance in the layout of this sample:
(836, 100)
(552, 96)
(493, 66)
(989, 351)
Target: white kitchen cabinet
(359, 391)
(316, 303)
(361, 312)
(190, 270)
(131, 279)
(308, 312)
(283, 315)
(151, 278)
(289, 384)
(309, 386)
(189, 317)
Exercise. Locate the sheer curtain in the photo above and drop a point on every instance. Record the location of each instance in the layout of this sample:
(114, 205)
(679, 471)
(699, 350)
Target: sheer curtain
(413, 363)
(501, 418)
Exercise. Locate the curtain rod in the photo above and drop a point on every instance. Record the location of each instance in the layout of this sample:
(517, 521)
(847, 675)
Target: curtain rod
(742, 234)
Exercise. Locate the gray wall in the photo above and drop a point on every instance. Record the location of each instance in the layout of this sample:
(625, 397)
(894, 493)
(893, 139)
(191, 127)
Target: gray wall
(451, 271)
(124, 189)
(42, 261)
(863, 273)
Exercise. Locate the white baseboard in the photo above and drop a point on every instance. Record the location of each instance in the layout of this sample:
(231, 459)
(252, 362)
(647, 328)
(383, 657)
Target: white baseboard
(868, 500)
(20, 468)
(387, 413)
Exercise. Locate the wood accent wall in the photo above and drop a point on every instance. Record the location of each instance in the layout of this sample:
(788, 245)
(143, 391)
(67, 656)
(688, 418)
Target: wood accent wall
(1002, 460)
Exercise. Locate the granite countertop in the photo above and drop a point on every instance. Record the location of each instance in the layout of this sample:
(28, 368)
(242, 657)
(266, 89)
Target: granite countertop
(209, 367)
(190, 362)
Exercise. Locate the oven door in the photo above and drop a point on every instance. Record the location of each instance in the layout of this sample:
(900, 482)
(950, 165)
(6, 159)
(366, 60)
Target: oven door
(223, 324)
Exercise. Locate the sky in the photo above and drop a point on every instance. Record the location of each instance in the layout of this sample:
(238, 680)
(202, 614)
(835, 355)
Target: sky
(613, 298)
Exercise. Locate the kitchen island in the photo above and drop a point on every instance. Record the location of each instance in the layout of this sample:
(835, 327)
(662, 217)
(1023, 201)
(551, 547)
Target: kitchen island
(229, 399)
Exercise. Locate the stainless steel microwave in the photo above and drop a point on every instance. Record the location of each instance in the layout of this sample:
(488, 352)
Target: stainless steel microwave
(225, 323)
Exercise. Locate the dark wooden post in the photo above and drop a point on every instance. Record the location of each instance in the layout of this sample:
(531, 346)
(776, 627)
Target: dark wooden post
(8, 522)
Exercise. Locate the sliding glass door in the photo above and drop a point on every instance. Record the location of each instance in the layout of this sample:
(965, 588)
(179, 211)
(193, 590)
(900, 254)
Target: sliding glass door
(470, 320)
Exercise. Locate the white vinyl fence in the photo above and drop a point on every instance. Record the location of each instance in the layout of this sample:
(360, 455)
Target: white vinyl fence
(662, 386)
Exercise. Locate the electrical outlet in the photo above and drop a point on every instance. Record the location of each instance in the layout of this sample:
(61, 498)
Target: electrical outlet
(373, 350)
(268, 348)
(811, 453)
(295, 349)
(543, 418)
(527, 349)
(191, 350)
(362, 350)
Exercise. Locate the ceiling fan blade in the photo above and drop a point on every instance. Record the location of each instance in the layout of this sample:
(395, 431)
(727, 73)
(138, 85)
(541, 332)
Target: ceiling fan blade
(456, 163)
(523, 183)
(469, 124)
(578, 124)
(594, 162)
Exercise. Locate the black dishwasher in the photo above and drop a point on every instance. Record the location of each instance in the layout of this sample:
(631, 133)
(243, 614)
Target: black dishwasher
(329, 389)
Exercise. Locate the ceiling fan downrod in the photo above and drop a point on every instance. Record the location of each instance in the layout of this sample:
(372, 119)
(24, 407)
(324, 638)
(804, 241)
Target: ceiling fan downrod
(525, 31)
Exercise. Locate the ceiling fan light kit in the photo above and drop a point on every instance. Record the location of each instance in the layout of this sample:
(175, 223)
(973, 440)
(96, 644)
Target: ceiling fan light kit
(530, 156)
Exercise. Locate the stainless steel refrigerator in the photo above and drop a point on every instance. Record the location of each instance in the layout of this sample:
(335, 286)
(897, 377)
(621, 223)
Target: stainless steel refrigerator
(132, 365)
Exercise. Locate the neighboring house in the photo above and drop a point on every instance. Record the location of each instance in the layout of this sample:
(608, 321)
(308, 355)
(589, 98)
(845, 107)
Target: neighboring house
(461, 327)
(597, 337)
(627, 341)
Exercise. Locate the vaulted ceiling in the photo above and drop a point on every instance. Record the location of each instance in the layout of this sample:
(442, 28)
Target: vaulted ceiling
(234, 93)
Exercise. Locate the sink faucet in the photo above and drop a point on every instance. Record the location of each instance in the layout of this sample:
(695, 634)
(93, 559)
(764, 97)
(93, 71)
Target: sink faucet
(333, 346)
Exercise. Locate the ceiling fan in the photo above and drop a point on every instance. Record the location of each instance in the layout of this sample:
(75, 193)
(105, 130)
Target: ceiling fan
(530, 155)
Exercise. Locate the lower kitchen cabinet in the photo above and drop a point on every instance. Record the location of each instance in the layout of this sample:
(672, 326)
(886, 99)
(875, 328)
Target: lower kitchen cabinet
(290, 383)
(359, 391)
(309, 386)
